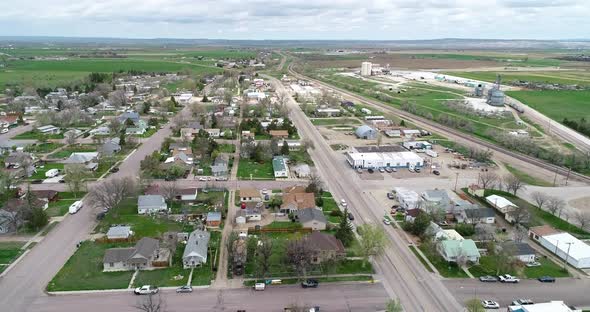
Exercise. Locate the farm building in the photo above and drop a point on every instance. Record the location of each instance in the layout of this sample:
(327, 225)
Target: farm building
(366, 132)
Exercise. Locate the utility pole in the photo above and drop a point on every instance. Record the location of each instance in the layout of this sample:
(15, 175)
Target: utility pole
(555, 178)
(568, 175)
(569, 245)
(456, 180)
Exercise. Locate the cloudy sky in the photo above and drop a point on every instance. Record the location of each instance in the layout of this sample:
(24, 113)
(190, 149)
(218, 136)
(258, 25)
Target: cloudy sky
(298, 19)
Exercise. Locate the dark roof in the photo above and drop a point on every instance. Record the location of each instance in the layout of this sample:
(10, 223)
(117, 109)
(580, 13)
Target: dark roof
(145, 247)
(520, 249)
(15, 204)
(480, 213)
(380, 149)
(49, 194)
(305, 215)
(113, 255)
(322, 241)
(413, 212)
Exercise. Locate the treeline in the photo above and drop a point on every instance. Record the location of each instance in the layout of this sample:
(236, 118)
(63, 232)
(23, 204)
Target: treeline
(581, 125)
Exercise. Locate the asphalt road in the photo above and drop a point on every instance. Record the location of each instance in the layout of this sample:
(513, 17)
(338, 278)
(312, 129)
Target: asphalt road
(571, 291)
(403, 275)
(329, 297)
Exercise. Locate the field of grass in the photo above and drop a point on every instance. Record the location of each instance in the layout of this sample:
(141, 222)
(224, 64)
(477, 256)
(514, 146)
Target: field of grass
(9, 251)
(67, 151)
(247, 168)
(143, 226)
(40, 174)
(446, 269)
(556, 104)
(36, 135)
(226, 148)
(566, 78)
(415, 251)
(526, 178)
(335, 121)
(510, 60)
(43, 147)
(83, 271)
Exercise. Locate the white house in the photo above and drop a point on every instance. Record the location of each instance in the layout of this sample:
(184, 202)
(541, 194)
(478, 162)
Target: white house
(49, 129)
(148, 204)
(195, 252)
(500, 203)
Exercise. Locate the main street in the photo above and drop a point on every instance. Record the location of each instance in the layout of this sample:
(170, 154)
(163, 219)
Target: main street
(403, 275)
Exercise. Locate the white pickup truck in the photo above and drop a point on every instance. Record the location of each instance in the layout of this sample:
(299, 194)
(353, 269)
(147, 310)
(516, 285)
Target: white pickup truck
(507, 278)
(146, 290)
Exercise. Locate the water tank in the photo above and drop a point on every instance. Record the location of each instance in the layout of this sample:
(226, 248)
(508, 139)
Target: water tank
(496, 97)
(479, 90)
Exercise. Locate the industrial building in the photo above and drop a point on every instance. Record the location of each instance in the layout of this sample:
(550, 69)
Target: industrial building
(366, 132)
(562, 244)
(552, 306)
(384, 160)
(366, 68)
(495, 95)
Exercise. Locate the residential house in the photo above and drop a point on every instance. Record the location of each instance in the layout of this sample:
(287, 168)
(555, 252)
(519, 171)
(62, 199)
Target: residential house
(412, 214)
(213, 133)
(220, 165)
(302, 171)
(279, 166)
(101, 131)
(279, 134)
(119, 232)
(327, 112)
(248, 194)
(74, 132)
(325, 247)
(82, 158)
(407, 199)
(9, 222)
(139, 128)
(297, 201)
(181, 159)
(189, 133)
(49, 129)
(454, 250)
(312, 219)
(187, 194)
(522, 251)
(476, 190)
(133, 116)
(477, 215)
(213, 219)
(196, 249)
(109, 148)
(366, 132)
(251, 211)
(503, 205)
(436, 199)
(46, 195)
(15, 204)
(149, 204)
(146, 254)
(17, 159)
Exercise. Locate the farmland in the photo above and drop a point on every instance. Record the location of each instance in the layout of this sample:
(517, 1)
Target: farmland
(560, 77)
(556, 104)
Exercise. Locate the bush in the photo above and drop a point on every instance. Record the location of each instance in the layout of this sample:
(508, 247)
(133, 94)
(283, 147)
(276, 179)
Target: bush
(319, 201)
(336, 212)
(465, 229)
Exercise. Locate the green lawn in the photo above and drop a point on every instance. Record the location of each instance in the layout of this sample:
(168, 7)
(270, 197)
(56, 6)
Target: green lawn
(247, 168)
(566, 78)
(40, 174)
(36, 135)
(67, 151)
(148, 133)
(526, 178)
(300, 157)
(9, 251)
(142, 225)
(446, 269)
(353, 278)
(547, 268)
(205, 202)
(226, 148)
(43, 148)
(556, 104)
(415, 251)
(59, 208)
(283, 225)
(335, 121)
(83, 271)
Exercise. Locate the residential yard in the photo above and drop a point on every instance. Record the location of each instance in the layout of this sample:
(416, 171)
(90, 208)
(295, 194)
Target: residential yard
(226, 148)
(278, 268)
(9, 251)
(488, 266)
(205, 202)
(445, 268)
(43, 148)
(335, 121)
(36, 135)
(248, 169)
(40, 173)
(142, 225)
(299, 157)
(60, 207)
(67, 151)
(83, 271)
(148, 133)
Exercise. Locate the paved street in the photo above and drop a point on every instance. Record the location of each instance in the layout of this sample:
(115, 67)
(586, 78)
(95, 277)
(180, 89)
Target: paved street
(330, 297)
(420, 290)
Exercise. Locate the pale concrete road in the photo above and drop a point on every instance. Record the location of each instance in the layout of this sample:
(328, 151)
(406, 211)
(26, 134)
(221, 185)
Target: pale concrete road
(571, 291)
(403, 275)
(14, 132)
(329, 297)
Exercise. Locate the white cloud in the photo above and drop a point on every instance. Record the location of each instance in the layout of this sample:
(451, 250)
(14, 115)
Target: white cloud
(296, 19)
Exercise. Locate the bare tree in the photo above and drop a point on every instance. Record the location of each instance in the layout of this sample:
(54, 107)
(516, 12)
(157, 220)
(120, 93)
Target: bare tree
(26, 163)
(75, 177)
(70, 137)
(315, 184)
(488, 179)
(484, 232)
(519, 234)
(513, 183)
(197, 110)
(115, 126)
(540, 199)
(299, 255)
(555, 205)
(169, 190)
(117, 98)
(307, 144)
(110, 192)
(379, 139)
(265, 251)
(583, 218)
(151, 303)
(519, 214)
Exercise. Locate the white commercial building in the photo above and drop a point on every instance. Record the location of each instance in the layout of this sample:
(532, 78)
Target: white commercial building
(366, 68)
(553, 306)
(566, 246)
(183, 98)
(384, 160)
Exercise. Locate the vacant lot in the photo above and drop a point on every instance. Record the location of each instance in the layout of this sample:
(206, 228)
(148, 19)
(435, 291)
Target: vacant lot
(556, 104)
(566, 78)
(249, 169)
(83, 271)
(335, 121)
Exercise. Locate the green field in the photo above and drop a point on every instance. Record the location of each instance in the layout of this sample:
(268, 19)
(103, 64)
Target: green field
(556, 104)
(248, 168)
(40, 173)
(8, 252)
(335, 121)
(566, 78)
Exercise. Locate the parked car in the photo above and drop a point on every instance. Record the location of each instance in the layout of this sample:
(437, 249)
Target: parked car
(533, 264)
(381, 170)
(417, 170)
(114, 169)
(75, 207)
(410, 169)
(100, 215)
(52, 173)
(389, 170)
(4, 130)
(521, 302)
(221, 179)
(350, 216)
(386, 221)
(489, 304)
(202, 179)
(507, 278)
(390, 196)
(259, 286)
(184, 289)
(310, 283)
(146, 290)
(436, 172)
(359, 170)
(488, 279)
(547, 279)
(370, 170)
(343, 202)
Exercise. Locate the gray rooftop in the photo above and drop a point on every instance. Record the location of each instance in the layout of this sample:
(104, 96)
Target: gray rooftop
(150, 200)
(197, 245)
(380, 149)
(480, 213)
(119, 231)
(214, 216)
(310, 214)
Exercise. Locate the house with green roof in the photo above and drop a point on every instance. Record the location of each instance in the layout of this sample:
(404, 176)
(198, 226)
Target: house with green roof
(451, 250)
(279, 166)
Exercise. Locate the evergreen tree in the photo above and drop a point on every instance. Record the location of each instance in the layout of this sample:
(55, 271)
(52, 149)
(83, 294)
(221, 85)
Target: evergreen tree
(122, 139)
(402, 123)
(344, 231)
(285, 148)
(205, 99)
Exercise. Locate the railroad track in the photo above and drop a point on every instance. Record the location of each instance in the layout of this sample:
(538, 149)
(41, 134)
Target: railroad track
(435, 127)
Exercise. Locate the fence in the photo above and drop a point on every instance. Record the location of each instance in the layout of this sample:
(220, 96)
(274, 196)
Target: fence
(279, 230)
